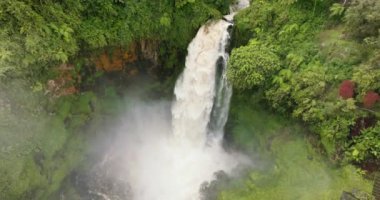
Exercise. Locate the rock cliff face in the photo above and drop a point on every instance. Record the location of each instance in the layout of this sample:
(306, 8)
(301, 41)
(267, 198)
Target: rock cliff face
(139, 57)
(64, 83)
(118, 59)
(149, 51)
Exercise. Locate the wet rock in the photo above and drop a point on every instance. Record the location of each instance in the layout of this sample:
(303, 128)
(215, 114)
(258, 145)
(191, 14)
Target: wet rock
(347, 196)
(98, 184)
(39, 159)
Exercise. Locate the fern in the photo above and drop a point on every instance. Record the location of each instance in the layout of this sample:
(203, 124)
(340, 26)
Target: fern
(337, 10)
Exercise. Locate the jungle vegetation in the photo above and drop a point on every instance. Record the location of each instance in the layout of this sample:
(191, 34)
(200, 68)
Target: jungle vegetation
(308, 67)
(49, 96)
(318, 62)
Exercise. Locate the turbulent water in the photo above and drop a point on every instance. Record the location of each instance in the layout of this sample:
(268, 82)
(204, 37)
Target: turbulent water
(195, 89)
(167, 156)
(203, 89)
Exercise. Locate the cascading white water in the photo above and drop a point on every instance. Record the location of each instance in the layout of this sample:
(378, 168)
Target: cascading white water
(223, 93)
(195, 89)
(170, 161)
(200, 90)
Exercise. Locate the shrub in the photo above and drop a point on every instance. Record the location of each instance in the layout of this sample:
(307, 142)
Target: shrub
(363, 18)
(370, 99)
(251, 65)
(346, 89)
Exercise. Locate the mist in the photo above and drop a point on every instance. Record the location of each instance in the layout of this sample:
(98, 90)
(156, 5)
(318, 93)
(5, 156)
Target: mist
(167, 150)
(155, 164)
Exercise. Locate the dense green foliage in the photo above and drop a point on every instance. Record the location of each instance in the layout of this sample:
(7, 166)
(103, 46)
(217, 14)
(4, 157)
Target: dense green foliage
(363, 19)
(319, 45)
(43, 135)
(38, 33)
(38, 149)
(251, 65)
(294, 54)
(41, 145)
(286, 164)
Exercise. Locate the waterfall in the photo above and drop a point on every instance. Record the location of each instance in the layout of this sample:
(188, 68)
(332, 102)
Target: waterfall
(167, 157)
(223, 93)
(197, 87)
(202, 94)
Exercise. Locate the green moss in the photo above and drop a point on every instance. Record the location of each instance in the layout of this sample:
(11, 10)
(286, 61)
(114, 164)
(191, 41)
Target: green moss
(82, 103)
(289, 166)
(53, 138)
(64, 108)
(263, 124)
(39, 150)
(63, 163)
(28, 181)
